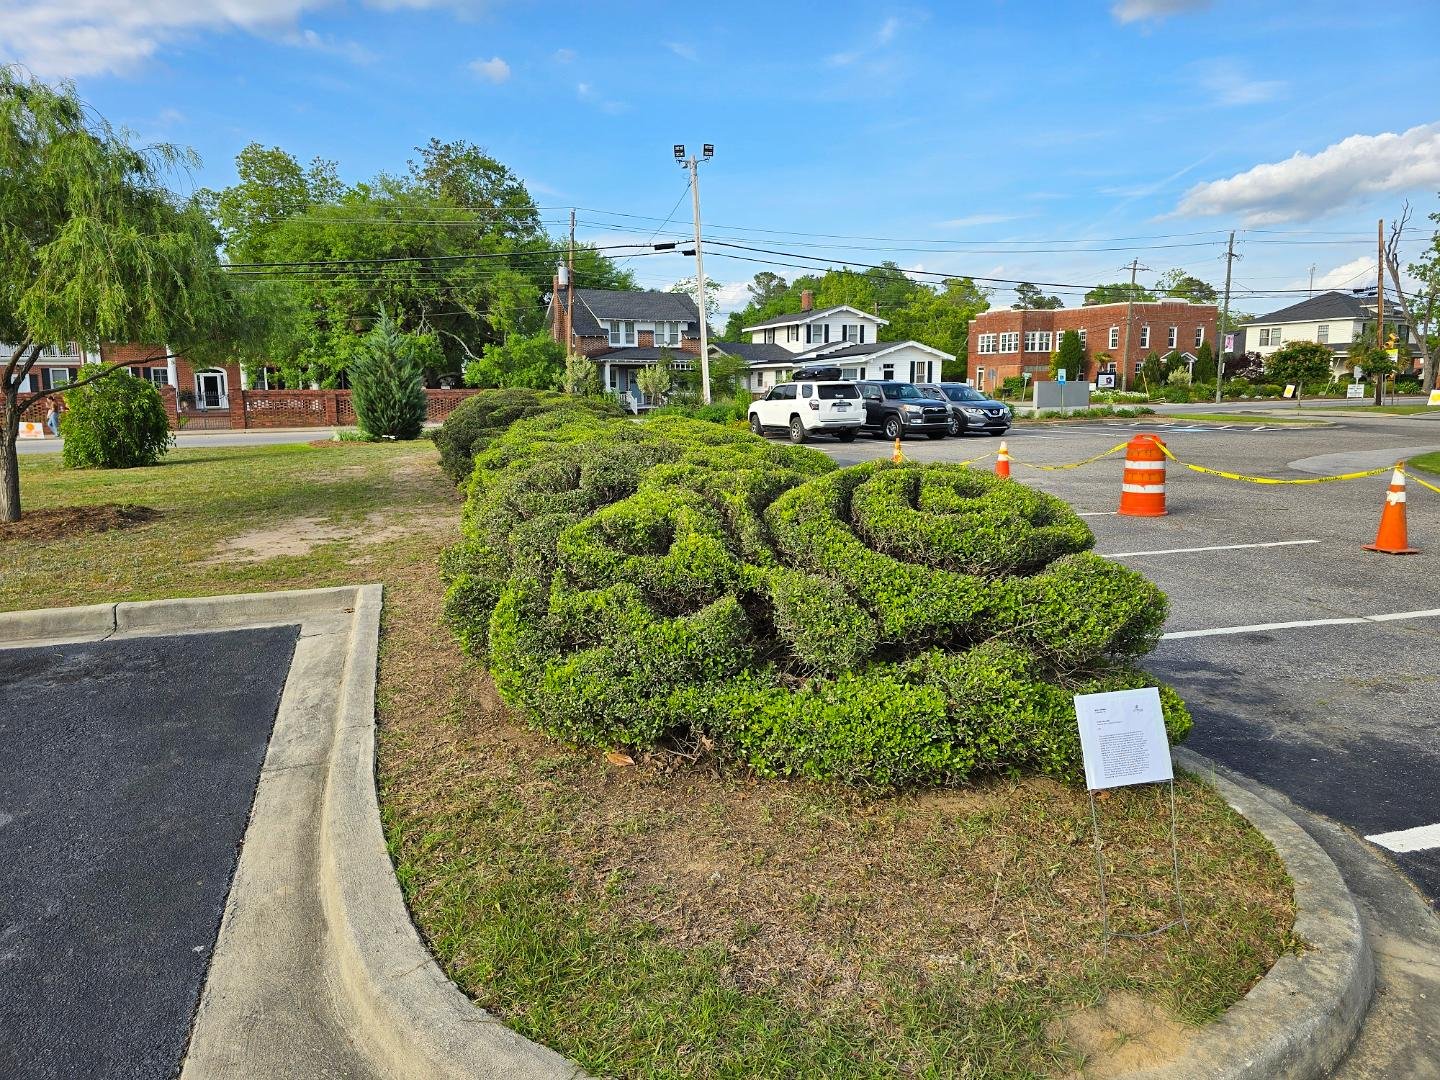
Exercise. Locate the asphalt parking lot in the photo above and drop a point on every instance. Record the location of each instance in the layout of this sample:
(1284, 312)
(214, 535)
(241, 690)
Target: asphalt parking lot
(1308, 662)
(127, 772)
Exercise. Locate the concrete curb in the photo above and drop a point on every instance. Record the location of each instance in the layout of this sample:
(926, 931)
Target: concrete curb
(410, 1018)
(48, 624)
(1299, 1021)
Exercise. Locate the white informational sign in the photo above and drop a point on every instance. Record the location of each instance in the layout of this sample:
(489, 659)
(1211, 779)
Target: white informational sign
(1060, 375)
(1355, 389)
(1122, 738)
(1105, 379)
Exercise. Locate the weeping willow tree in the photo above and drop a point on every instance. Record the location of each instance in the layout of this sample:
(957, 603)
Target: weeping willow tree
(94, 247)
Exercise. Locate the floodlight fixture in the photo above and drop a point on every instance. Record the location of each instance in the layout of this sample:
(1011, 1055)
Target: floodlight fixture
(679, 151)
(709, 150)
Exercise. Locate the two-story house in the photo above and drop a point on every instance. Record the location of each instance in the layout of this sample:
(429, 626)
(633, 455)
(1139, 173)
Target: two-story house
(626, 332)
(1333, 319)
(841, 335)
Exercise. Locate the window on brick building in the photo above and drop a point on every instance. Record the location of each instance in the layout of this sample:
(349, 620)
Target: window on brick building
(985, 344)
(1173, 337)
(1144, 337)
(1010, 342)
(1081, 332)
(668, 333)
(1114, 337)
(622, 333)
(158, 375)
(1199, 336)
(1032, 340)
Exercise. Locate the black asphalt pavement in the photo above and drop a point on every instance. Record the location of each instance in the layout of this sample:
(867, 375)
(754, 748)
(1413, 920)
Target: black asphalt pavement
(1341, 717)
(127, 772)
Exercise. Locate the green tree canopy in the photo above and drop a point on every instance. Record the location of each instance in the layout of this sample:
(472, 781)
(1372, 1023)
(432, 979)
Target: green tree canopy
(1179, 284)
(94, 247)
(1030, 297)
(1119, 292)
(1070, 356)
(1305, 363)
(536, 361)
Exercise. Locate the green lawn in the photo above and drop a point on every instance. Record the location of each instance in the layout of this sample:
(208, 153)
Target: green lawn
(674, 917)
(1395, 410)
(1425, 462)
(1237, 418)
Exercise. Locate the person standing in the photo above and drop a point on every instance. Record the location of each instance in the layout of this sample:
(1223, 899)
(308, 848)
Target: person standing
(52, 419)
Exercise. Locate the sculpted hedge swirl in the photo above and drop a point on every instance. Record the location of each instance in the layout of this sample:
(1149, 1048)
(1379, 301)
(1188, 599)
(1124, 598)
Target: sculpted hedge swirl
(630, 583)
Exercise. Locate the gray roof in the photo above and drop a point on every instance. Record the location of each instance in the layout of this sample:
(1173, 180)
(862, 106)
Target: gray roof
(646, 355)
(806, 316)
(1328, 305)
(756, 352)
(861, 350)
(594, 306)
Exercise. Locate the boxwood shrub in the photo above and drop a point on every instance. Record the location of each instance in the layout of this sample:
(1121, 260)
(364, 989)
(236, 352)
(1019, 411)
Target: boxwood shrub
(479, 419)
(631, 584)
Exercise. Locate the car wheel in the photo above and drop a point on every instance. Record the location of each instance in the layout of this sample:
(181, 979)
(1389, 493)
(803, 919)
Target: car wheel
(953, 428)
(893, 428)
(847, 434)
(755, 425)
(797, 430)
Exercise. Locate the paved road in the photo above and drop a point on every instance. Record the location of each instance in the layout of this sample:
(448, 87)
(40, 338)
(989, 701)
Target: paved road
(200, 440)
(127, 770)
(1339, 716)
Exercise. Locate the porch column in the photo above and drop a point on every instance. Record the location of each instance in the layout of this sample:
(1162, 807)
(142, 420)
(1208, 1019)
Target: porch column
(609, 387)
(171, 373)
(244, 378)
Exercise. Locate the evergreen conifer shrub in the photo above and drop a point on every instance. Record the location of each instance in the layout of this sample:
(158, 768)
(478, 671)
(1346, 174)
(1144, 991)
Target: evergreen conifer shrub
(387, 384)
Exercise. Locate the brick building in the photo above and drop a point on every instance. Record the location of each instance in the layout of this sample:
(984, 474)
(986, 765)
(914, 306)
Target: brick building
(626, 332)
(1009, 342)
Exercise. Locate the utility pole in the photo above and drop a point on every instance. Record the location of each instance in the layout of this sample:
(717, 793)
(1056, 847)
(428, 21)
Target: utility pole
(570, 290)
(693, 164)
(1224, 326)
(1380, 302)
(1311, 291)
(1134, 267)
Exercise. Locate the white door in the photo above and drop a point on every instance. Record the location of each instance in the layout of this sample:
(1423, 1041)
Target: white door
(210, 390)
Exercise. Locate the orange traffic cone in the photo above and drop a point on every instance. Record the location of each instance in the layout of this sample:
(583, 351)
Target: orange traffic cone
(896, 456)
(1142, 491)
(1392, 538)
(1002, 460)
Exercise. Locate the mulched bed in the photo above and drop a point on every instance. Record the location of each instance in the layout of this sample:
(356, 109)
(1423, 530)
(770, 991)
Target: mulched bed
(58, 522)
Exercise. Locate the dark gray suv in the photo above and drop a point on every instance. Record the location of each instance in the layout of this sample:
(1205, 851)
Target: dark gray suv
(899, 409)
(970, 410)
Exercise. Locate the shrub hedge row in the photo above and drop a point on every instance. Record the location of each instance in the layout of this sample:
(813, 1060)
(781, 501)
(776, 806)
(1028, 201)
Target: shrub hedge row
(633, 583)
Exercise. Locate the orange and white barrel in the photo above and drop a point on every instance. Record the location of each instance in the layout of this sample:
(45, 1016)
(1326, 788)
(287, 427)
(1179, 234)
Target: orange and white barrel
(1002, 460)
(1142, 491)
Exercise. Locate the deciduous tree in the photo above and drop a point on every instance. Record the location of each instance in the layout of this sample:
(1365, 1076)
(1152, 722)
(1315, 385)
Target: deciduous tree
(1118, 293)
(1304, 363)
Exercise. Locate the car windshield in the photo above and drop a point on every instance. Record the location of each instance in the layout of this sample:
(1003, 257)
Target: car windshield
(835, 391)
(905, 391)
(964, 393)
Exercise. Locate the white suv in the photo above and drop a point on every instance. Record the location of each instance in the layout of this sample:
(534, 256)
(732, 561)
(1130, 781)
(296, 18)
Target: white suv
(810, 407)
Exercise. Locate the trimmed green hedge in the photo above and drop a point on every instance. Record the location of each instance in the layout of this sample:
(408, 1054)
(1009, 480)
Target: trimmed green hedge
(631, 583)
(480, 418)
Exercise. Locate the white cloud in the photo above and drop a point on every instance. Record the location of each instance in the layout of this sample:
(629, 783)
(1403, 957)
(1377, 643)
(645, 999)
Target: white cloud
(887, 30)
(113, 37)
(324, 43)
(732, 296)
(1352, 275)
(842, 59)
(1305, 186)
(493, 70)
(978, 219)
(1228, 85)
(682, 50)
(586, 92)
(564, 56)
(1128, 11)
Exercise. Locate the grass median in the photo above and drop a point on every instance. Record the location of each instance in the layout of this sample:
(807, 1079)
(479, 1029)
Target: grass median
(672, 916)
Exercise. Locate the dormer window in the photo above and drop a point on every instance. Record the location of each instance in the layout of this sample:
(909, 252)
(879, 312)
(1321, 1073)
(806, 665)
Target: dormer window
(667, 333)
(770, 336)
(792, 333)
(817, 333)
(854, 332)
(622, 333)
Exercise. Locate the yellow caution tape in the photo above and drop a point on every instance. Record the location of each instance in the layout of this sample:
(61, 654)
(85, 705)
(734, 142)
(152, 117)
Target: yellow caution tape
(1074, 465)
(1422, 483)
(1271, 479)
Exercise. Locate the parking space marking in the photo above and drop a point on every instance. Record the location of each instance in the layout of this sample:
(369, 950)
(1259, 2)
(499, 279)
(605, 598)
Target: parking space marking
(1218, 631)
(1421, 838)
(1217, 547)
(1096, 513)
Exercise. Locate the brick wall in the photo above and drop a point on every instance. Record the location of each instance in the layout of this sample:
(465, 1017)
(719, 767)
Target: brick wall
(1096, 321)
(321, 408)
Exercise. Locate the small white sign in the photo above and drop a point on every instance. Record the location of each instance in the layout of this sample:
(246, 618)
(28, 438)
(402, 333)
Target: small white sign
(1355, 389)
(1122, 738)
(1106, 379)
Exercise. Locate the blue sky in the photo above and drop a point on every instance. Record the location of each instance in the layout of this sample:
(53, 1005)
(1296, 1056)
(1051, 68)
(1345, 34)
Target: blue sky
(1012, 140)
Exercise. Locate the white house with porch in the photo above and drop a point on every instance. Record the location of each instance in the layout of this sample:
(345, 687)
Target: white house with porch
(842, 335)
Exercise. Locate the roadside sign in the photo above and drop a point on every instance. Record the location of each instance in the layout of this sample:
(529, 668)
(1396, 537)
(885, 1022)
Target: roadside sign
(1393, 354)
(1060, 375)
(1229, 342)
(1122, 738)
(1289, 390)
(1434, 398)
(1357, 372)
(1355, 389)
(1105, 379)
(32, 431)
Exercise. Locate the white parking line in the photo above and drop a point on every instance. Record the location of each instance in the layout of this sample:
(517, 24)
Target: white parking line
(1396, 616)
(1217, 547)
(1097, 513)
(1418, 839)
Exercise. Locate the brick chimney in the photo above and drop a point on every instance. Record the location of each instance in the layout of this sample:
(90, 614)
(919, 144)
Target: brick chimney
(807, 300)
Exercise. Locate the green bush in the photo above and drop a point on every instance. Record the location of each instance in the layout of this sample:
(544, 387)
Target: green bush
(387, 384)
(115, 422)
(718, 413)
(479, 419)
(633, 583)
